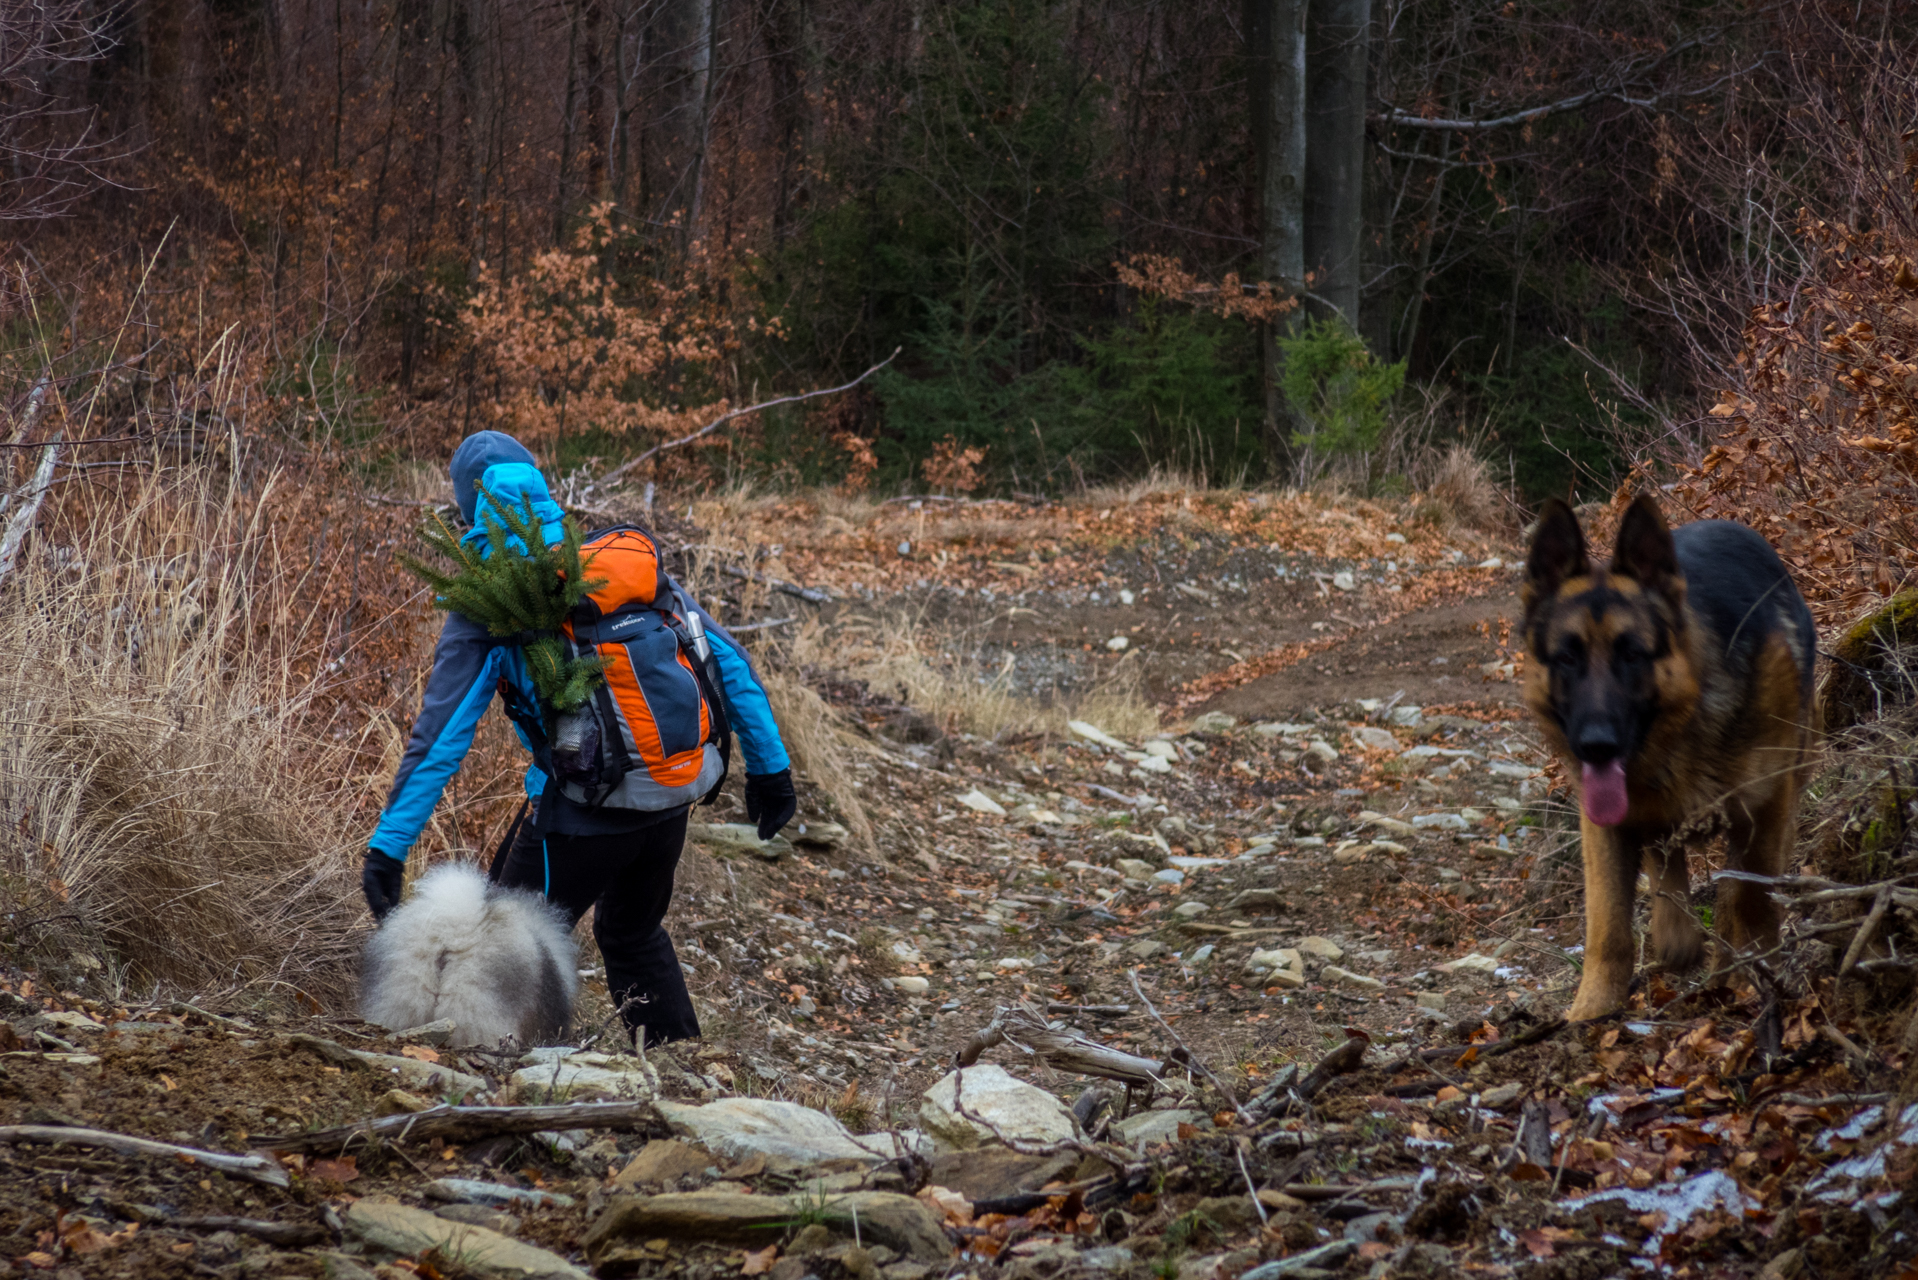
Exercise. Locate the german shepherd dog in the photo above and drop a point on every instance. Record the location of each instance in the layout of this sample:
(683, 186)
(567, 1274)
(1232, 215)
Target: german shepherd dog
(1677, 684)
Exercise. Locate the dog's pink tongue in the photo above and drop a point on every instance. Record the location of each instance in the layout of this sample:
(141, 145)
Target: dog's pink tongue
(1604, 789)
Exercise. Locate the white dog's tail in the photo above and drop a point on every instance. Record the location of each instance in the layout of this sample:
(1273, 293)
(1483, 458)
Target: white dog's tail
(497, 962)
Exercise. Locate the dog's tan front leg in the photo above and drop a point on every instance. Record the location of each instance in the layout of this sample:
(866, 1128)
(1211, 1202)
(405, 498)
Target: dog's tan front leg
(1611, 879)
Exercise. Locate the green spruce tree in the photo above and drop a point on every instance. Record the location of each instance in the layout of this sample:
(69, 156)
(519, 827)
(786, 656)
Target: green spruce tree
(517, 593)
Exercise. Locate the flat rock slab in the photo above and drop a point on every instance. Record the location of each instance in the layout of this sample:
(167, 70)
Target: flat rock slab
(737, 1128)
(986, 1172)
(901, 1223)
(1020, 1111)
(429, 1077)
(1153, 1127)
(585, 1075)
(738, 837)
(407, 1232)
(662, 1160)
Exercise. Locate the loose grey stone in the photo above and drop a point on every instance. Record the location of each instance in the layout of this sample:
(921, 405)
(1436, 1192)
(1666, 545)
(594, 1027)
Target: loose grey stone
(438, 1034)
(740, 1127)
(407, 1232)
(1374, 738)
(1351, 981)
(475, 1191)
(738, 837)
(1020, 1111)
(898, 1222)
(1497, 1099)
(1154, 1127)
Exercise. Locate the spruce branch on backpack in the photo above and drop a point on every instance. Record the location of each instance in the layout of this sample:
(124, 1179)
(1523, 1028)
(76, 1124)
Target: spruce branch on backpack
(512, 592)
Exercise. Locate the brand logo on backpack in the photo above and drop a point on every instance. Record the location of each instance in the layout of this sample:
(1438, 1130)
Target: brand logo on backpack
(654, 735)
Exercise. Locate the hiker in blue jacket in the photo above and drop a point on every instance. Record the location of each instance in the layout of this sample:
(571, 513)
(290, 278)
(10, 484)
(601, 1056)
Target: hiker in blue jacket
(619, 861)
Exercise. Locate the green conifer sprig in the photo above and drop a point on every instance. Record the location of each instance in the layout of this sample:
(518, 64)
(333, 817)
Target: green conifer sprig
(510, 592)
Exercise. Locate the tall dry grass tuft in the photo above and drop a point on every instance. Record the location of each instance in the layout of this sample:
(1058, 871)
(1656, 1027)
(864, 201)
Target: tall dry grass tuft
(158, 802)
(821, 742)
(901, 656)
(1459, 492)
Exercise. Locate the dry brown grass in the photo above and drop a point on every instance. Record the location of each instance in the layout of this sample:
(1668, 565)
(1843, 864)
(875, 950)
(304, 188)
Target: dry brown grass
(901, 656)
(1459, 493)
(821, 742)
(160, 807)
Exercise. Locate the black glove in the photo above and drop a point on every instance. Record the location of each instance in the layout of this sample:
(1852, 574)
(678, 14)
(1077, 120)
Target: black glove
(382, 879)
(770, 801)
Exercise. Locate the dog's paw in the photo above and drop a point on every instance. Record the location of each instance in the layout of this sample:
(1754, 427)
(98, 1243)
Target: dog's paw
(1595, 1002)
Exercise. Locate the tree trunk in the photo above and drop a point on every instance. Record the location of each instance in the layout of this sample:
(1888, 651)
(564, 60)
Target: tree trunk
(703, 98)
(1335, 154)
(1275, 30)
(598, 126)
(568, 122)
(783, 25)
(680, 48)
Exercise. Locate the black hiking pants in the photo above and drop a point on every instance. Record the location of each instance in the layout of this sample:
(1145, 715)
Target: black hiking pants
(628, 881)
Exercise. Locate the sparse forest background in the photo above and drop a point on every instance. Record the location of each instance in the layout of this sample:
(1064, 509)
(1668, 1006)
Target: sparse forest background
(268, 261)
(601, 222)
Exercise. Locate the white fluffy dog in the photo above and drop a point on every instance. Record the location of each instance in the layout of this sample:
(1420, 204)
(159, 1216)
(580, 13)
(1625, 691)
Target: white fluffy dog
(497, 962)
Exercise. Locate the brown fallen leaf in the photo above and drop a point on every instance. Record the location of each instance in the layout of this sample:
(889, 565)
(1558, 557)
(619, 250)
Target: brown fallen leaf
(954, 1207)
(758, 1264)
(342, 1169)
(420, 1052)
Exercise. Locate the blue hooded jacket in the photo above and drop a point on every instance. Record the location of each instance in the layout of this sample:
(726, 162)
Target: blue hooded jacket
(468, 663)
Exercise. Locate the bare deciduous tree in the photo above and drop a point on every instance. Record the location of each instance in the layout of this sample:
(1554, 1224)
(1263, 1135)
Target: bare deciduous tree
(49, 147)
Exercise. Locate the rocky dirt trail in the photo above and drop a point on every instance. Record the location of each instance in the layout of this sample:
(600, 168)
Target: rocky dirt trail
(1272, 991)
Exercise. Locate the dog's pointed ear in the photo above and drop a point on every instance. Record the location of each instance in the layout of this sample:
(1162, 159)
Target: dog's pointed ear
(1644, 550)
(1557, 555)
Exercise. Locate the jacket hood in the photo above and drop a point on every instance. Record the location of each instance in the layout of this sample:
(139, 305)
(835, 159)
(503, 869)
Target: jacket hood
(475, 454)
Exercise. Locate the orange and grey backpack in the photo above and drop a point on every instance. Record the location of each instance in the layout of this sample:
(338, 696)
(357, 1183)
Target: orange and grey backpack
(654, 735)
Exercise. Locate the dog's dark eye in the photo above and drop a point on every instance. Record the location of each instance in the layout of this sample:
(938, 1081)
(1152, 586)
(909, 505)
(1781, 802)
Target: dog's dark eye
(1568, 660)
(1629, 654)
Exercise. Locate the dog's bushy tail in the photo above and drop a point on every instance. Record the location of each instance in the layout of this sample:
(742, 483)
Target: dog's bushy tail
(497, 962)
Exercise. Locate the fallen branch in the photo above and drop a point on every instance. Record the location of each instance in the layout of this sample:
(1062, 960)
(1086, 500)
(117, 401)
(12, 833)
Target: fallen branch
(724, 418)
(1811, 891)
(767, 625)
(252, 1168)
(1140, 801)
(287, 1235)
(1026, 1201)
(29, 497)
(1323, 1193)
(468, 1124)
(1543, 1031)
(1862, 939)
(1345, 1058)
(1829, 1100)
(1065, 1050)
(811, 595)
(186, 1010)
